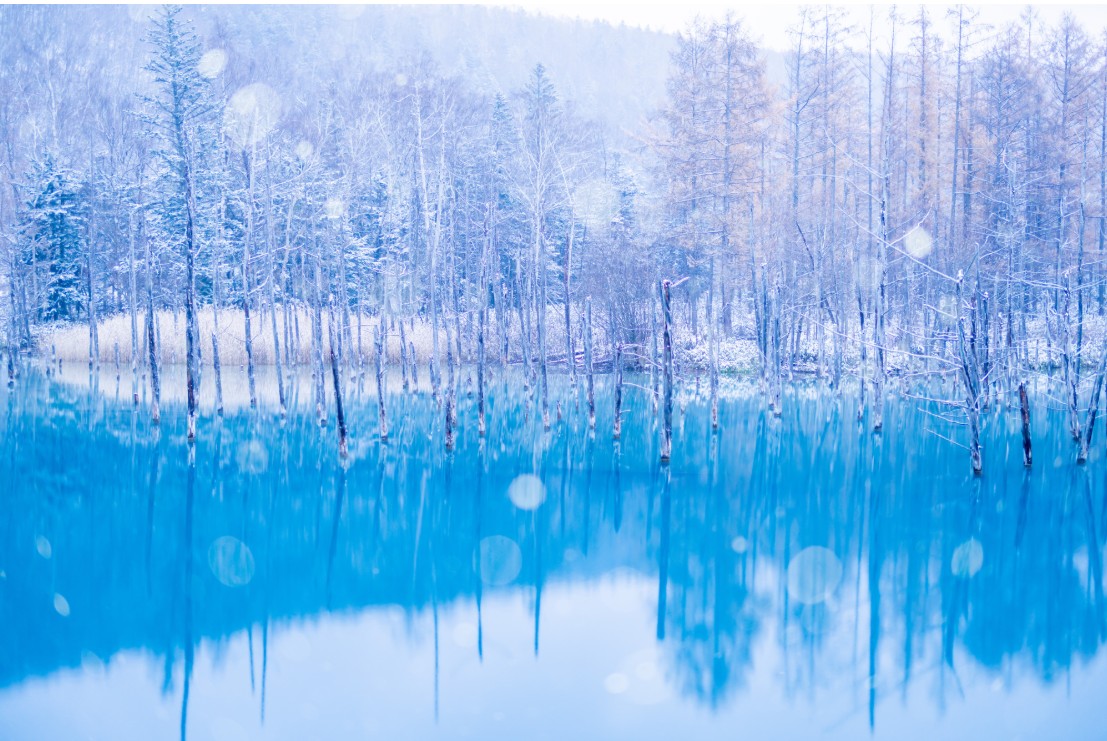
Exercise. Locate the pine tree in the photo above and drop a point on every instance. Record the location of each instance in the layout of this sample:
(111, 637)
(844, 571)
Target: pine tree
(53, 231)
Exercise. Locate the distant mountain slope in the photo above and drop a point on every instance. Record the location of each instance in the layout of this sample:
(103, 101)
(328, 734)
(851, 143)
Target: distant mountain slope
(613, 74)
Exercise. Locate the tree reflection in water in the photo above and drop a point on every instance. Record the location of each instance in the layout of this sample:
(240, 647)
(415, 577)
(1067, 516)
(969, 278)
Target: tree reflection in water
(915, 569)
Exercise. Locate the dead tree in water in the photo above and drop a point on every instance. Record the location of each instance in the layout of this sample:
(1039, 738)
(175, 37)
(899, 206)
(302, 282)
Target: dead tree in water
(970, 377)
(191, 333)
(215, 272)
(340, 413)
(216, 364)
(380, 340)
(1093, 408)
(588, 363)
(618, 431)
(317, 349)
(403, 355)
(133, 307)
(777, 339)
(450, 395)
(246, 290)
(93, 325)
(714, 370)
(1024, 409)
(454, 377)
(270, 280)
(655, 374)
(502, 319)
(482, 320)
(151, 341)
(218, 375)
(885, 194)
(11, 359)
(667, 364)
(1070, 365)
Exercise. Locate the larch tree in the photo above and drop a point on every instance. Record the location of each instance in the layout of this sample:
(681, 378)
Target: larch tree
(181, 109)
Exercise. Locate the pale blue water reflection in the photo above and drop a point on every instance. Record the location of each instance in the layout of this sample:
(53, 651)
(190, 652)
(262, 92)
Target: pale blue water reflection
(789, 578)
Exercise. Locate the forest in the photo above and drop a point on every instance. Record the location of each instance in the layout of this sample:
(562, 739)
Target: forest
(914, 206)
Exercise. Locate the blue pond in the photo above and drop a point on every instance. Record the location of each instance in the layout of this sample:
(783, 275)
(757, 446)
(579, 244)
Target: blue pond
(783, 578)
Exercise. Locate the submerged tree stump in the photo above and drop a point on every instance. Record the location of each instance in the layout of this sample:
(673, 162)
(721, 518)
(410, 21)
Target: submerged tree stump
(1024, 408)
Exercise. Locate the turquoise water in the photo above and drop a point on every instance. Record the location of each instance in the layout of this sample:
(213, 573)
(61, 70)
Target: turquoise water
(792, 578)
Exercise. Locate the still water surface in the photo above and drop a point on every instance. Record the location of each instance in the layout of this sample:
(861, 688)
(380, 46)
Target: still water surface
(792, 578)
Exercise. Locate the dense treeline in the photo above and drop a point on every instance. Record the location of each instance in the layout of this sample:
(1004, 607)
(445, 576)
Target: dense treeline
(922, 194)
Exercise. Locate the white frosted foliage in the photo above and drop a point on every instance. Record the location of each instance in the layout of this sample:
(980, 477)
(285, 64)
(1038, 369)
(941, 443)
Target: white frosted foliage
(212, 63)
(334, 208)
(304, 150)
(252, 113)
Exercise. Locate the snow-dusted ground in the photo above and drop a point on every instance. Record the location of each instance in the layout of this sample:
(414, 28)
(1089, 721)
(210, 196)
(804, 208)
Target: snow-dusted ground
(738, 353)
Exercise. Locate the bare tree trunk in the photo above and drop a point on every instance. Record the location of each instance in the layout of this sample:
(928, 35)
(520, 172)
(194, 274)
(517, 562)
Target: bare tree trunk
(618, 427)
(133, 310)
(667, 414)
(588, 362)
(340, 413)
(480, 372)
(215, 268)
(524, 332)
(570, 356)
(450, 393)
(655, 359)
(1069, 363)
(482, 321)
(276, 335)
(540, 307)
(713, 340)
(970, 377)
(449, 411)
(151, 341)
(11, 354)
(246, 244)
(403, 356)
(450, 376)
(286, 329)
(1024, 409)
(502, 318)
(380, 342)
(191, 333)
(1093, 408)
(317, 350)
(93, 329)
(777, 379)
(13, 321)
